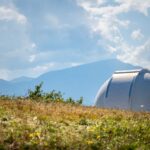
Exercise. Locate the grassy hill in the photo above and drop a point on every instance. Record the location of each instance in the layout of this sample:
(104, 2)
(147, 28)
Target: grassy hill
(26, 124)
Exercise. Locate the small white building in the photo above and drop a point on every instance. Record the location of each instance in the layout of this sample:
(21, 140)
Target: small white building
(126, 90)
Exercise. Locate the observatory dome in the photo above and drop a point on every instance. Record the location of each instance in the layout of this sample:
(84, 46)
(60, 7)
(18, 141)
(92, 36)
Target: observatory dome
(126, 90)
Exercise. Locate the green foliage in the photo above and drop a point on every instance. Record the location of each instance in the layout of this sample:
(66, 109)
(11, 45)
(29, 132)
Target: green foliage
(83, 121)
(80, 101)
(53, 96)
(70, 100)
(36, 93)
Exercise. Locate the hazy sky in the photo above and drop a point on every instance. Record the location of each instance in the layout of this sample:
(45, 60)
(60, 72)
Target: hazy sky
(37, 36)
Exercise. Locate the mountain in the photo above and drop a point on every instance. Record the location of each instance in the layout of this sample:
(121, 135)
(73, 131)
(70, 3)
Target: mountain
(5, 87)
(74, 82)
(21, 79)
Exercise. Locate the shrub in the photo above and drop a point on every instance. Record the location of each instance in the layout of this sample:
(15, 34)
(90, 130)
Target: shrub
(53, 96)
(36, 93)
(70, 100)
(80, 101)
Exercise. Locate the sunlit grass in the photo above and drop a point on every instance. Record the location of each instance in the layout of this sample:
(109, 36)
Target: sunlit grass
(26, 124)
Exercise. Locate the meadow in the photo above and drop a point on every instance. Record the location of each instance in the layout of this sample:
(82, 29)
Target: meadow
(27, 124)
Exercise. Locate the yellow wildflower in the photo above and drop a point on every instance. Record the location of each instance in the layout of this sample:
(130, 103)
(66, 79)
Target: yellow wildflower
(89, 142)
(37, 134)
(98, 137)
(31, 135)
(90, 129)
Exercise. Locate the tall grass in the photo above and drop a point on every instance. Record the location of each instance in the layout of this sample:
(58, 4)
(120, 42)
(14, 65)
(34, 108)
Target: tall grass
(26, 124)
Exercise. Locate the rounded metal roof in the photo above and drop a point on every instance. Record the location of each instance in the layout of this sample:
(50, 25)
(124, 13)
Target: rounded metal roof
(127, 89)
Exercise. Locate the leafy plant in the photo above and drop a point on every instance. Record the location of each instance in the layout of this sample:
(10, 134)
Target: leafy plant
(36, 93)
(80, 101)
(53, 96)
(70, 100)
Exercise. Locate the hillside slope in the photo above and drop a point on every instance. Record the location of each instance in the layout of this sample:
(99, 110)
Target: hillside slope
(83, 80)
(31, 125)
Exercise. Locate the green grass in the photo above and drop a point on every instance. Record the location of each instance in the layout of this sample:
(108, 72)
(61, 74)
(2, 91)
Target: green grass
(25, 124)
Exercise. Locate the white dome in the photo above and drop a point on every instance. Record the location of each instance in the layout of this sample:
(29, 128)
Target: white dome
(126, 90)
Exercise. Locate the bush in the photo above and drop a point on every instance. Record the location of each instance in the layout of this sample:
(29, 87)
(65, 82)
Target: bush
(70, 100)
(36, 93)
(53, 96)
(80, 101)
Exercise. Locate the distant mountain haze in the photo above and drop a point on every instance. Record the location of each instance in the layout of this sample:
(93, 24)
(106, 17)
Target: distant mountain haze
(21, 79)
(84, 80)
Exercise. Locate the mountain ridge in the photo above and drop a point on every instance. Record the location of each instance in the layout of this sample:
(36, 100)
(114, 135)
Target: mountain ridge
(83, 80)
(21, 79)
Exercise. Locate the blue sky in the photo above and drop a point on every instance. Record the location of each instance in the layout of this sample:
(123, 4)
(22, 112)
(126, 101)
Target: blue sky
(37, 36)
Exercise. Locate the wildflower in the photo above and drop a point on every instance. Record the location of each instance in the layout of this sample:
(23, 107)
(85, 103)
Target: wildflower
(98, 137)
(31, 135)
(37, 134)
(90, 129)
(34, 118)
(89, 142)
